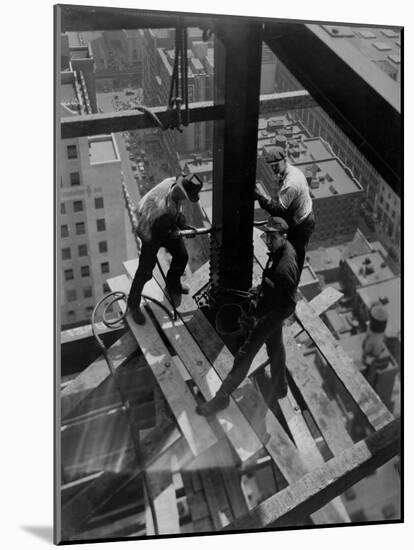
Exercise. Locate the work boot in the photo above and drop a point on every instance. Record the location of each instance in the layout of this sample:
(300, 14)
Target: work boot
(137, 315)
(218, 403)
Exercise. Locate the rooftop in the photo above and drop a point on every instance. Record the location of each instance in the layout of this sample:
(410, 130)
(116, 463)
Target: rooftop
(391, 290)
(376, 44)
(323, 259)
(102, 150)
(370, 268)
(308, 276)
(329, 178)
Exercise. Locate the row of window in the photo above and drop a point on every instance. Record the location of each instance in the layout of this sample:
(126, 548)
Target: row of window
(71, 314)
(83, 250)
(80, 228)
(71, 295)
(85, 271)
(79, 207)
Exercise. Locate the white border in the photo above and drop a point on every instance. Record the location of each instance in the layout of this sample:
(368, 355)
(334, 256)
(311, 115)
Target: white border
(27, 276)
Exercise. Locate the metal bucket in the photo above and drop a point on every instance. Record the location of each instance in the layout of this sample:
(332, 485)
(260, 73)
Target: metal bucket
(228, 320)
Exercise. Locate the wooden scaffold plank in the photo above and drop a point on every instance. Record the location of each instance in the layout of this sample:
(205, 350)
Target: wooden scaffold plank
(182, 403)
(292, 504)
(267, 427)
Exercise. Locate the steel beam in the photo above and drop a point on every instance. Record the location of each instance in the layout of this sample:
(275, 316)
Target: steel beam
(88, 18)
(90, 125)
(361, 100)
(235, 153)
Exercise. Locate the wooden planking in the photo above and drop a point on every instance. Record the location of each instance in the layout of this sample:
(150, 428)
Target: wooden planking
(263, 421)
(88, 380)
(162, 494)
(368, 401)
(292, 504)
(309, 450)
(320, 303)
(216, 498)
(194, 427)
(232, 421)
(330, 423)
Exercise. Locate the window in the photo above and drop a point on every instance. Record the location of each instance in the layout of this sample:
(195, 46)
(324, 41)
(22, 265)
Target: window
(80, 228)
(103, 246)
(71, 316)
(72, 152)
(62, 208)
(100, 224)
(64, 231)
(71, 295)
(99, 202)
(74, 178)
(85, 271)
(105, 267)
(65, 253)
(68, 274)
(77, 206)
(106, 288)
(89, 309)
(87, 292)
(83, 250)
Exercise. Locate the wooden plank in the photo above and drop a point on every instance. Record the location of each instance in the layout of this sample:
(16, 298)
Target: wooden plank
(216, 499)
(330, 423)
(231, 420)
(182, 403)
(88, 380)
(308, 448)
(363, 394)
(162, 493)
(292, 504)
(278, 445)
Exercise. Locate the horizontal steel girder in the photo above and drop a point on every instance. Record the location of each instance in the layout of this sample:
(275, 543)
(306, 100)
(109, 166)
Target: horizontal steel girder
(361, 99)
(105, 123)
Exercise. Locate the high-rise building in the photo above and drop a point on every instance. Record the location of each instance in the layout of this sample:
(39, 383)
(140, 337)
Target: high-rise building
(382, 205)
(92, 223)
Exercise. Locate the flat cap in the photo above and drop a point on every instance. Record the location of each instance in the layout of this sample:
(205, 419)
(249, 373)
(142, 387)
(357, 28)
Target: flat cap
(276, 224)
(273, 154)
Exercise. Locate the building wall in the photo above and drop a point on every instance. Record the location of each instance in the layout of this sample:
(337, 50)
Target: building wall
(100, 181)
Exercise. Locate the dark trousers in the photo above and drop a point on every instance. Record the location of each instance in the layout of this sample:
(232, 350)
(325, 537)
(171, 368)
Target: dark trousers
(267, 331)
(299, 236)
(147, 261)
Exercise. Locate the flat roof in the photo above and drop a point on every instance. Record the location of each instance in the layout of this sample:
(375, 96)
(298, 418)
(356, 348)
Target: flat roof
(102, 150)
(308, 276)
(337, 180)
(370, 268)
(390, 289)
(325, 259)
(312, 149)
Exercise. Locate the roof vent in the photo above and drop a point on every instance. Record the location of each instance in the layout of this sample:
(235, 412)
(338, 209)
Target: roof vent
(384, 300)
(333, 190)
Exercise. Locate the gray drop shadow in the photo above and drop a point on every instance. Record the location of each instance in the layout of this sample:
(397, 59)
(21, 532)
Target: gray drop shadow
(43, 532)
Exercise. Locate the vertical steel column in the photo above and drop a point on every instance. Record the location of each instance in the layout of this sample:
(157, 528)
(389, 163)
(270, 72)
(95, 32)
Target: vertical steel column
(237, 66)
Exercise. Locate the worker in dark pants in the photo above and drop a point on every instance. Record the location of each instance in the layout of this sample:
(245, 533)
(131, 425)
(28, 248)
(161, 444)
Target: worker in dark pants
(275, 302)
(293, 202)
(160, 220)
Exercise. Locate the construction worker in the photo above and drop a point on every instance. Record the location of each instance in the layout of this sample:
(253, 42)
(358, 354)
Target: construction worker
(160, 219)
(293, 203)
(275, 302)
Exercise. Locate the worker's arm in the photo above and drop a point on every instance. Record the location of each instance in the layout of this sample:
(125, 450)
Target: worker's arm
(276, 207)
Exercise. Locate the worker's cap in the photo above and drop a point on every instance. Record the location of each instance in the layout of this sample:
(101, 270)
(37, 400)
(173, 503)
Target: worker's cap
(276, 225)
(273, 154)
(192, 185)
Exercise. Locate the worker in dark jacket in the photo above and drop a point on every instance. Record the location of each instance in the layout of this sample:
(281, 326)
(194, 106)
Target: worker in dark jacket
(160, 219)
(293, 203)
(276, 301)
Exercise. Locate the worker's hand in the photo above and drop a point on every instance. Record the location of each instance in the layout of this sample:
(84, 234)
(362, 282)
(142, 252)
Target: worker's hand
(257, 193)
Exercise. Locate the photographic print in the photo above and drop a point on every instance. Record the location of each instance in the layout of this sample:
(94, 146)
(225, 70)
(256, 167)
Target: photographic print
(228, 274)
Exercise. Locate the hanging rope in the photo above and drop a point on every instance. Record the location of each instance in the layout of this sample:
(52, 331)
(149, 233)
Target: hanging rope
(179, 80)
